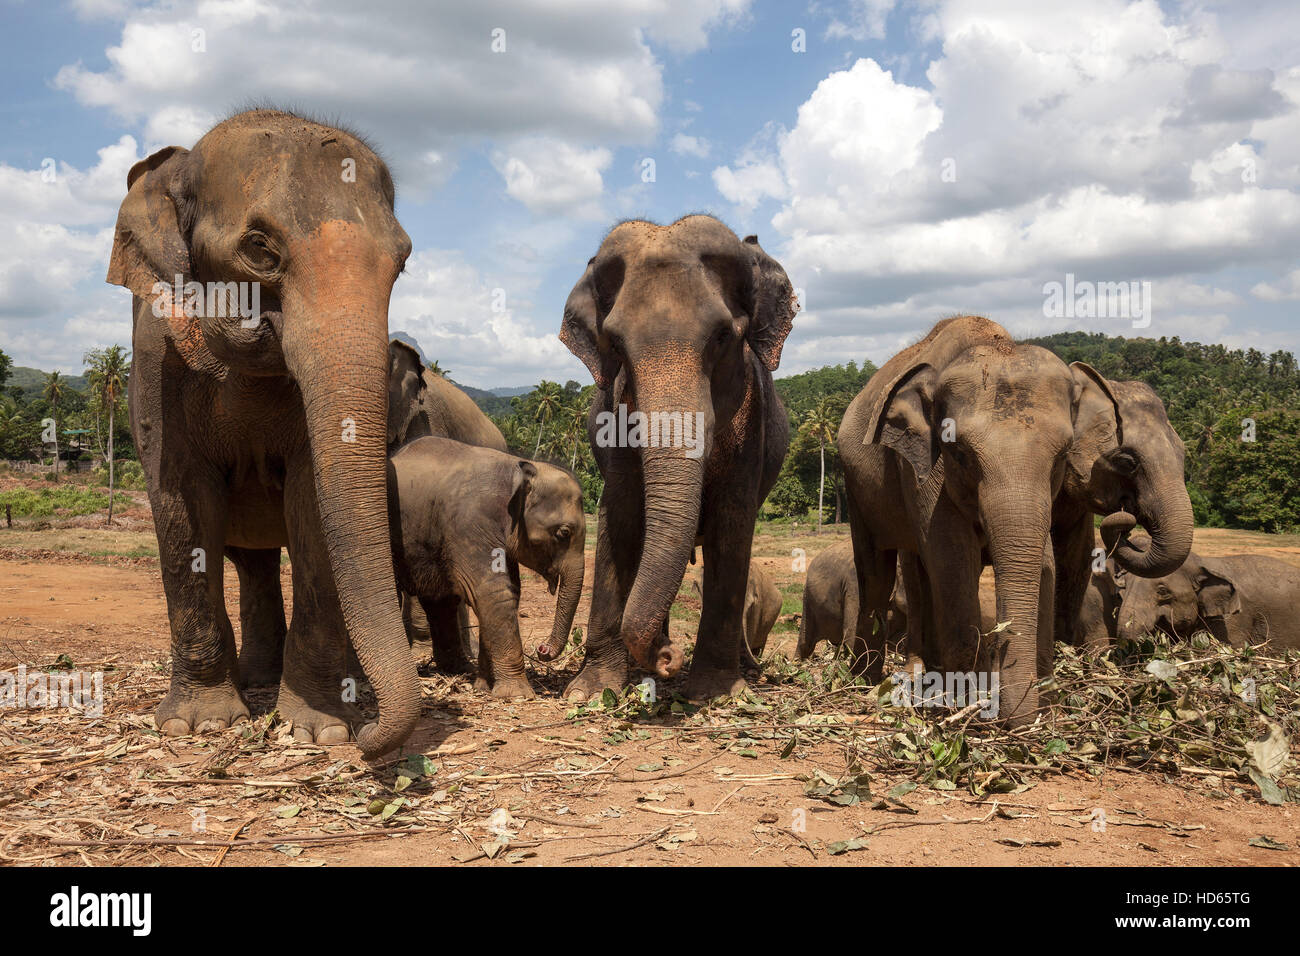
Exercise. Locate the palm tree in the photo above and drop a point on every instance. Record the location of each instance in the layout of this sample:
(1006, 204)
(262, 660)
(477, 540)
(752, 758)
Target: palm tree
(109, 370)
(822, 423)
(549, 397)
(437, 369)
(55, 388)
(573, 428)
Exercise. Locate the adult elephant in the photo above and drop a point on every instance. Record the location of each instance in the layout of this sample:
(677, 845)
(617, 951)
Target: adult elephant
(267, 429)
(1127, 466)
(958, 445)
(422, 403)
(683, 324)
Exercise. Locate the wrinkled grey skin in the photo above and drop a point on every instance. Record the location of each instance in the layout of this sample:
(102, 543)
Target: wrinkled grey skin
(421, 404)
(685, 318)
(265, 432)
(1098, 618)
(762, 608)
(463, 520)
(1240, 599)
(1011, 411)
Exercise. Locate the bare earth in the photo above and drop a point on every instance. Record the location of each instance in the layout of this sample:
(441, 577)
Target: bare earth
(517, 782)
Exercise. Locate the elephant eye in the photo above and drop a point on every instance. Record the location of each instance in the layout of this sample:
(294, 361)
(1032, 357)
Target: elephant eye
(1163, 593)
(563, 533)
(257, 248)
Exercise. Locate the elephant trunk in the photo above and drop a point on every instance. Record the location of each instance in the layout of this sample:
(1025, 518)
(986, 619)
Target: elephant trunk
(1165, 510)
(673, 479)
(335, 341)
(1017, 532)
(569, 592)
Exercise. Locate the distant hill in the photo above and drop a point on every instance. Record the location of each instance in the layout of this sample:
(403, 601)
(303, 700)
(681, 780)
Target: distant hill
(32, 380)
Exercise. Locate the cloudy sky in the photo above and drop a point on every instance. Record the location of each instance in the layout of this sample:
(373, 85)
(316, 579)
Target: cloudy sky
(903, 161)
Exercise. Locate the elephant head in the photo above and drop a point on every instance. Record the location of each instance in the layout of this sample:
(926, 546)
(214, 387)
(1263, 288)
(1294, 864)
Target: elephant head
(294, 220)
(549, 535)
(668, 320)
(1128, 466)
(1199, 596)
(1000, 418)
(406, 396)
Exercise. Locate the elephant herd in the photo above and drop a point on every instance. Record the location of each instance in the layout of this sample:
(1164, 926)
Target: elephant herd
(299, 425)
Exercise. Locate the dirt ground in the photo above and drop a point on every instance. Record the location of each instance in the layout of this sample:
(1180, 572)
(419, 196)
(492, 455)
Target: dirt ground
(488, 783)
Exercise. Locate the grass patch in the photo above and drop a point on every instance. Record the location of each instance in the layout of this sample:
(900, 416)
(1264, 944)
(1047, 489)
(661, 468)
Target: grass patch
(65, 501)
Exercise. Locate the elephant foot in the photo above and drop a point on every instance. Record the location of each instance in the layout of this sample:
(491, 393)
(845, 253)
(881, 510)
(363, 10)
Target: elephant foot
(704, 684)
(327, 722)
(594, 678)
(196, 710)
(513, 689)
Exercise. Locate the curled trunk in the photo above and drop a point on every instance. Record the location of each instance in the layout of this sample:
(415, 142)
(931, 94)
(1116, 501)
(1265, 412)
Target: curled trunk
(1165, 510)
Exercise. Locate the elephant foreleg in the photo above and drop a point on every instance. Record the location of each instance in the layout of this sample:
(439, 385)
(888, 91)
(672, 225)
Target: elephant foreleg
(618, 546)
(316, 691)
(500, 648)
(262, 626)
(1072, 548)
(190, 519)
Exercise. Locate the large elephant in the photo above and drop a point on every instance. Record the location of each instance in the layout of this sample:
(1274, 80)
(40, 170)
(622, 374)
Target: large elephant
(680, 326)
(1239, 598)
(957, 446)
(267, 428)
(463, 520)
(423, 403)
(1127, 465)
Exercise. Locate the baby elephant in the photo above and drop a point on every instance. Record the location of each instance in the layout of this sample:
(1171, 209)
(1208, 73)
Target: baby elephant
(1240, 598)
(762, 608)
(462, 520)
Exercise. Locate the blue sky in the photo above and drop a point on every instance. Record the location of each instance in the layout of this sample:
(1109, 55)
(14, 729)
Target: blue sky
(913, 161)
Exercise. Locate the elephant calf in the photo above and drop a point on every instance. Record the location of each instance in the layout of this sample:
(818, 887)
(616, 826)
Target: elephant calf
(762, 608)
(1239, 598)
(463, 519)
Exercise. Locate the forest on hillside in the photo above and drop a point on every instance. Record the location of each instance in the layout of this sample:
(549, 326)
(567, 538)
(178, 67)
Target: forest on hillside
(1237, 411)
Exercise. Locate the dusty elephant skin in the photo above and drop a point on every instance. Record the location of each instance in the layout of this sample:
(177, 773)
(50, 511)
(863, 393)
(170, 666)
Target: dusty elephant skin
(1239, 598)
(689, 320)
(420, 404)
(958, 445)
(463, 520)
(268, 430)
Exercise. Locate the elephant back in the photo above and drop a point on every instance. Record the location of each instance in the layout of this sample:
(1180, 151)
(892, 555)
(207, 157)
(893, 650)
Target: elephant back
(453, 414)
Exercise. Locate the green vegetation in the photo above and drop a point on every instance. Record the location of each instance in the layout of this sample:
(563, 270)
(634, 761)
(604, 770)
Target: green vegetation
(64, 500)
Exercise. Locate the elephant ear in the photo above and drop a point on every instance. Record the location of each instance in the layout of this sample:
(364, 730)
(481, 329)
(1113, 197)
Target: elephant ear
(1097, 418)
(150, 243)
(1216, 593)
(579, 331)
(521, 483)
(773, 309)
(406, 390)
(904, 424)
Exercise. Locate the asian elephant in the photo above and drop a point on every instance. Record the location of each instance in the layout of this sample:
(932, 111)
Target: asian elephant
(1127, 465)
(1098, 617)
(463, 520)
(258, 402)
(762, 608)
(830, 604)
(1239, 598)
(421, 403)
(681, 327)
(955, 448)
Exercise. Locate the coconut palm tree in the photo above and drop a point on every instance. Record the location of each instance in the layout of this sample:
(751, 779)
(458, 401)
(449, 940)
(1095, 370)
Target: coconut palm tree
(109, 370)
(822, 423)
(549, 398)
(55, 388)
